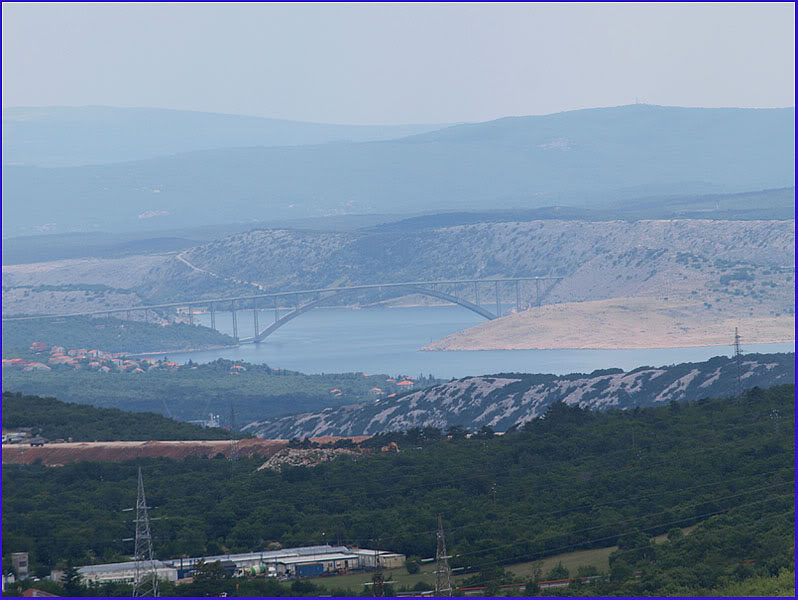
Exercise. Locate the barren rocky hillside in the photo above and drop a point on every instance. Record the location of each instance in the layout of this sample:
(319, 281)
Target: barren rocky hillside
(504, 400)
(597, 260)
(66, 299)
(76, 285)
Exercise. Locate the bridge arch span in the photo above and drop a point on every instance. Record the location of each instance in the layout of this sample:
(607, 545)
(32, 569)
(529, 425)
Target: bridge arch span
(314, 303)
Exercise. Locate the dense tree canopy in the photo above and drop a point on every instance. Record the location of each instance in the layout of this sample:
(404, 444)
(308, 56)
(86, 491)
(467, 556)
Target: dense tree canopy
(572, 480)
(53, 419)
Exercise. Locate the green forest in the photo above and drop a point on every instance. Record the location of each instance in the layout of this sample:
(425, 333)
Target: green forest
(192, 391)
(571, 480)
(107, 334)
(53, 419)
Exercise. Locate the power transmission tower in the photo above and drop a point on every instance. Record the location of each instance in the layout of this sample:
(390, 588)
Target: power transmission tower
(378, 579)
(738, 360)
(443, 573)
(146, 583)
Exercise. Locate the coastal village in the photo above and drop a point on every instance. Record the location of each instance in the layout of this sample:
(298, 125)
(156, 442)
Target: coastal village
(48, 357)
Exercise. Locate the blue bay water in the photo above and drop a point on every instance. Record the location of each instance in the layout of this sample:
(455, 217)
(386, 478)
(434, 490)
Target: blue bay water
(333, 340)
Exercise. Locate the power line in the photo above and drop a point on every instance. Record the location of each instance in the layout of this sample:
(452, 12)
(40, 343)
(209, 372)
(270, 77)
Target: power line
(597, 505)
(501, 547)
(513, 559)
(591, 505)
(666, 445)
(586, 506)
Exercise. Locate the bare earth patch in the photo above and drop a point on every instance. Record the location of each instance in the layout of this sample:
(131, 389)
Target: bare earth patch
(56, 454)
(59, 454)
(619, 323)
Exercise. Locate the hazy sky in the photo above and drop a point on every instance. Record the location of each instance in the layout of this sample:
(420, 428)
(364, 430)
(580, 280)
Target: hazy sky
(397, 63)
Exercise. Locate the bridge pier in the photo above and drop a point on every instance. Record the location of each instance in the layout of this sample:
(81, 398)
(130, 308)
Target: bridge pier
(517, 296)
(235, 320)
(537, 292)
(213, 315)
(255, 319)
(476, 293)
(498, 304)
(190, 314)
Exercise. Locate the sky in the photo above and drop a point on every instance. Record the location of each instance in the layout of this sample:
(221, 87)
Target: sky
(397, 63)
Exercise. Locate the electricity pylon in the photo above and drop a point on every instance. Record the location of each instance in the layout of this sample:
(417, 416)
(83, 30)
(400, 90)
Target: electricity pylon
(146, 583)
(443, 573)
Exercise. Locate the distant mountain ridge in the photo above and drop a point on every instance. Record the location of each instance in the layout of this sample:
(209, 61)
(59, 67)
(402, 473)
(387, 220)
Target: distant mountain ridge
(63, 136)
(504, 400)
(587, 158)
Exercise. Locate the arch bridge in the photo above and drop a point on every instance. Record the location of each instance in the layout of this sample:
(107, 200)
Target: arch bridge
(463, 292)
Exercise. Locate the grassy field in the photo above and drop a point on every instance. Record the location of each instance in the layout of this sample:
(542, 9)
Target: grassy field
(399, 576)
(595, 557)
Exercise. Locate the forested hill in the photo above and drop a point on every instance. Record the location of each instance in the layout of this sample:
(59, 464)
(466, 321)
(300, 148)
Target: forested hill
(572, 480)
(53, 420)
(504, 400)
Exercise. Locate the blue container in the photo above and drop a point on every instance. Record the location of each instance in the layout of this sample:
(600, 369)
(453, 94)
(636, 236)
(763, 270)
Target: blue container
(310, 570)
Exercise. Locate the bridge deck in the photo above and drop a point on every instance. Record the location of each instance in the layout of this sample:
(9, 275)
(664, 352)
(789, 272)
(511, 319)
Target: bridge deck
(206, 302)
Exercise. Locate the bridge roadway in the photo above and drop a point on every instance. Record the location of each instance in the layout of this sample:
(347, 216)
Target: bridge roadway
(370, 286)
(427, 288)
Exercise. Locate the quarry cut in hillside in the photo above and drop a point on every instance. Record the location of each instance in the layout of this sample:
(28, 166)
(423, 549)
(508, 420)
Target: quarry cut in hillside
(57, 454)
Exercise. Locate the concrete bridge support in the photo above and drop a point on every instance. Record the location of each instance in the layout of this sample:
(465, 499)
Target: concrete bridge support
(235, 320)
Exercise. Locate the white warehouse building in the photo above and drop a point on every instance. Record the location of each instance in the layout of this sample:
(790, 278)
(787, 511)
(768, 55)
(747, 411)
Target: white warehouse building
(119, 572)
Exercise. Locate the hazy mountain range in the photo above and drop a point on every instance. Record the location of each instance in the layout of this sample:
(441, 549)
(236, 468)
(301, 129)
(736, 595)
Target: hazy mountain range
(62, 136)
(586, 158)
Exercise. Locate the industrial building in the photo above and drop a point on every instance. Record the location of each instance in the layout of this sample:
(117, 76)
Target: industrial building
(385, 559)
(19, 562)
(118, 573)
(314, 566)
(308, 561)
(253, 559)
